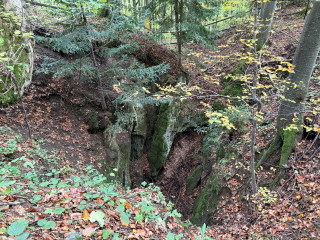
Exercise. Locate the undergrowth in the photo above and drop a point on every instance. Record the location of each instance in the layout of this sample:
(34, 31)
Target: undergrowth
(39, 197)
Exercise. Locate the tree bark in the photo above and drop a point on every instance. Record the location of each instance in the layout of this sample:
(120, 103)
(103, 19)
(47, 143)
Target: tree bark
(291, 111)
(178, 8)
(266, 19)
(17, 65)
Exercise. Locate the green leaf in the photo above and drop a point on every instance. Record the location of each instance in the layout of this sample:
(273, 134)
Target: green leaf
(28, 35)
(120, 208)
(125, 218)
(16, 228)
(10, 67)
(49, 225)
(139, 217)
(48, 211)
(58, 210)
(46, 224)
(42, 222)
(23, 236)
(170, 236)
(44, 184)
(97, 216)
(62, 184)
(106, 233)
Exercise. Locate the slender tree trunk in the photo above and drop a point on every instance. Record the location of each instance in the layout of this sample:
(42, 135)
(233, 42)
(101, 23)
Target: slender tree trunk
(266, 15)
(291, 111)
(254, 96)
(178, 21)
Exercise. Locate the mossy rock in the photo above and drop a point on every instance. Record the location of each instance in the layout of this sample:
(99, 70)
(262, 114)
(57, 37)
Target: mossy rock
(173, 118)
(12, 40)
(159, 148)
(93, 123)
(232, 86)
(217, 105)
(118, 156)
(193, 179)
(207, 201)
(221, 153)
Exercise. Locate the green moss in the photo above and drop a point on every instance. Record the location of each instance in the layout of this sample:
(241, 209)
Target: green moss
(274, 146)
(233, 86)
(288, 139)
(217, 105)
(11, 44)
(207, 201)
(93, 123)
(221, 153)
(193, 179)
(159, 148)
(8, 98)
(118, 156)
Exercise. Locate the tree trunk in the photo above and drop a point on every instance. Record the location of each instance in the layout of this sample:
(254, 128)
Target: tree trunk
(291, 111)
(178, 7)
(16, 47)
(266, 15)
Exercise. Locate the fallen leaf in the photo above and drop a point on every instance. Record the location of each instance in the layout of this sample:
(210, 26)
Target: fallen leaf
(88, 231)
(86, 215)
(47, 236)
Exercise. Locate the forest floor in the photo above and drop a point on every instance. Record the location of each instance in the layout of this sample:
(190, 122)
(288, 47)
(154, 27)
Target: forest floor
(57, 115)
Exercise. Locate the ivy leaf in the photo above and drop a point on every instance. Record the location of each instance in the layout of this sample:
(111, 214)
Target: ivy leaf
(16, 228)
(97, 216)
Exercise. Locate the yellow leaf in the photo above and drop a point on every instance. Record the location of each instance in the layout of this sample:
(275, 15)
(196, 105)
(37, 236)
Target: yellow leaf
(86, 215)
(316, 128)
(146, 90)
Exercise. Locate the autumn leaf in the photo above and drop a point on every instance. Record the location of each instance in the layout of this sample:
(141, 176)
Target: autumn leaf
(88, 231)
(127, 206)
(86, 215)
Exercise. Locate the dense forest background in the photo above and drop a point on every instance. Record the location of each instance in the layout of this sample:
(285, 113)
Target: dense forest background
(159, 119)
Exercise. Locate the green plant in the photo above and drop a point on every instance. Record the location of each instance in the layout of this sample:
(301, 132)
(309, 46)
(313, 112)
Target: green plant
(203, 231)
(17, 229)
(9, 147)
(46, 224)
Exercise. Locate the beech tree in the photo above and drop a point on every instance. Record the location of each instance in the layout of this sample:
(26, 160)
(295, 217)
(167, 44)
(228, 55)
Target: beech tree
(291, 111)
(266, 15)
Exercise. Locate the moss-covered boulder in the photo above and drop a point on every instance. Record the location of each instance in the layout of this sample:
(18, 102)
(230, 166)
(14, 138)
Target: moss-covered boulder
(16, 51)
(118, 155)
(194, 179)
(173, 118)
(207, 200)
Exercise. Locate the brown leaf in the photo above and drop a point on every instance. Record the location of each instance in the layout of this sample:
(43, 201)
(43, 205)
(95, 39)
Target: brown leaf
(88, 231)
(142, 232)
(32, 209)
(47, 236)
